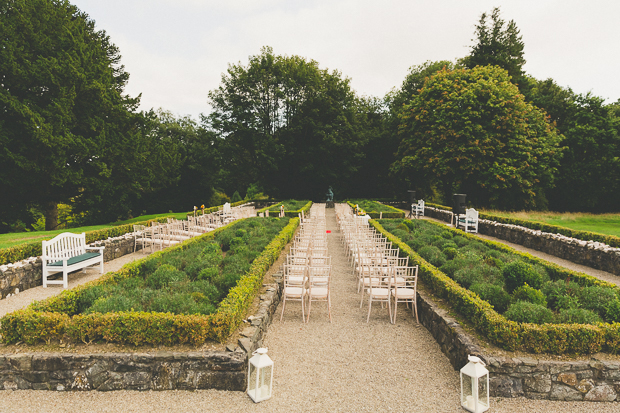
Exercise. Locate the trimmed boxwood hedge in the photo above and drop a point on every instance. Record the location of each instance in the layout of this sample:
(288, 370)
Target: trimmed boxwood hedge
(392, 212)
(290, 214)
(610, 240)
(510, 335)
(54, 318)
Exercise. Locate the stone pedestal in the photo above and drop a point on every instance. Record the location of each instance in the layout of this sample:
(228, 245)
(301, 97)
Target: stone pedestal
(330, 204)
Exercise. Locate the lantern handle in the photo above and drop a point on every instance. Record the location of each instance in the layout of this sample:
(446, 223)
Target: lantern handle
(475, 359)
(260, 351)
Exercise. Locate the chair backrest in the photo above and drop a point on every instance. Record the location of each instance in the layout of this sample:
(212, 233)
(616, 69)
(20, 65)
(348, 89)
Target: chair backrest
(421, 204)
(471, 213)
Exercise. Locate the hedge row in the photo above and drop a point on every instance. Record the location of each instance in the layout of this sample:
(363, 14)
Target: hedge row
(216, 208)
(56, 318)
(290, 214)
(510, 335)
(610, 240)
(397, 213)
(34, 248)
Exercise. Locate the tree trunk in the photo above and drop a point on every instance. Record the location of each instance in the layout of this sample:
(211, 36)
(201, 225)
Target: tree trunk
(51, 215)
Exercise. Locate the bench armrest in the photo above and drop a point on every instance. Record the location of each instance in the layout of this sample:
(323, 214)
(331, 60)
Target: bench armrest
(95, 248)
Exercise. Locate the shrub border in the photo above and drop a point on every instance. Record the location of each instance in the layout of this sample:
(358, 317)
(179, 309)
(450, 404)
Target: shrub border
(386, 215)
(51, 319)
(510, 335)
(290, 214)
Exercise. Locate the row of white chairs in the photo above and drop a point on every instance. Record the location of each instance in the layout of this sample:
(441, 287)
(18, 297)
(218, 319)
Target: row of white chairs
(308, 267)
(163, 235)
(381, 273)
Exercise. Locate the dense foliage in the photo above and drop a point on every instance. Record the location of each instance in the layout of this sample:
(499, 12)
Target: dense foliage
(282, 126)
(471, 130)
(67, 130)
(519, 290)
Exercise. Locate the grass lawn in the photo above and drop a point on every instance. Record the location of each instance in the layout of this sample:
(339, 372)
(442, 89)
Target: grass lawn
(16, 238)
(601, 223)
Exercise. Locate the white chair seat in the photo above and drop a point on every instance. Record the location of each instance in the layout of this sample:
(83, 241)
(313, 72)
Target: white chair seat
(294, 291)
(379, 292)
(317, 292)
(404, 293)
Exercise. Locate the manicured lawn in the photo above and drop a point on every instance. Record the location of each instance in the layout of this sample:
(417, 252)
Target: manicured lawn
(16, 238)
(601, 223)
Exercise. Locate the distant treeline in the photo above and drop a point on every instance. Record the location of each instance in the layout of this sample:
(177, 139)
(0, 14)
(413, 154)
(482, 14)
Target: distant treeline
(286, 127)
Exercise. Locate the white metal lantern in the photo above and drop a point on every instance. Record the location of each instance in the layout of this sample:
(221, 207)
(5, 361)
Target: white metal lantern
(475, 386)
(260, 376)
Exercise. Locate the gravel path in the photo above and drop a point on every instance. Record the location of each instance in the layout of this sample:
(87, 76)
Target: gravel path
(344, 366)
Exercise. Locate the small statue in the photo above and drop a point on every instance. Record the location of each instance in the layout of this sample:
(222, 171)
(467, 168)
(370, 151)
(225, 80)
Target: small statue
(330, 194)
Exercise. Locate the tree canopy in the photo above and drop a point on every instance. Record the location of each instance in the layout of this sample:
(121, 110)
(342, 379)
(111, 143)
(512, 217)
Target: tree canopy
(286, 124)
(498, 44)
(67, 130)
(470, 130)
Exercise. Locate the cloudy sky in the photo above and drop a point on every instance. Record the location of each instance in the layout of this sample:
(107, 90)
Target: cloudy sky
(177, 50)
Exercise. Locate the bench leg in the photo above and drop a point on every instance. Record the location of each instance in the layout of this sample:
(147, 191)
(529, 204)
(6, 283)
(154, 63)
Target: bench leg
(65, 280)
(44, 279)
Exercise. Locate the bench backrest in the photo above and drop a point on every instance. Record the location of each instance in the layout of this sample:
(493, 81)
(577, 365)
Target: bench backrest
(65, 245)
(471, 214)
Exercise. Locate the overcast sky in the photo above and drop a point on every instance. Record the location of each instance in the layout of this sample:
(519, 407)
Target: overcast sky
(176, 50)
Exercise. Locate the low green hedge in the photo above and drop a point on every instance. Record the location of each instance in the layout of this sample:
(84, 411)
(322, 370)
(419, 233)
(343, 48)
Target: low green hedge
(610, 240)
(34, 249)
(217, 208)
(510, 335)
(290, 214)
(394, 212)
(56, 317)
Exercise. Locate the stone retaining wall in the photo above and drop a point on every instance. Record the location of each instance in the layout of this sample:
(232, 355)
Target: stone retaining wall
(28, 273)
(590, 253)
(591, 380)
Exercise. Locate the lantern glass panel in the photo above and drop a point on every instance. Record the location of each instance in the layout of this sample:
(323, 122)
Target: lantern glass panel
(252, 381)
(467, 391)
(265, 382)
(483, 392)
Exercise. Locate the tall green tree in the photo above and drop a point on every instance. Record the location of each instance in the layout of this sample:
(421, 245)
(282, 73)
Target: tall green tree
(286, 124)
(470, 130)
(60, 95)
(395, 100)
(588, 177)
(498, 44)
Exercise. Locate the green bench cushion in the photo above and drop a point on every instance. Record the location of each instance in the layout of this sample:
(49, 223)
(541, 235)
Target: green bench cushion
(75, 260)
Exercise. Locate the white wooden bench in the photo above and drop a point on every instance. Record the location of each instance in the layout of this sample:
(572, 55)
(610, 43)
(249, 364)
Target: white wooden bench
(65, 253)
(470, 221)
(418, 209)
